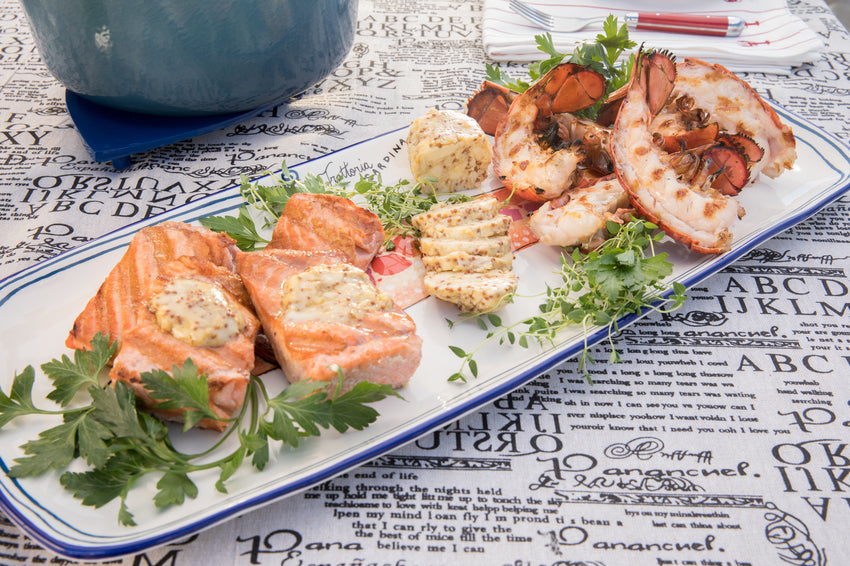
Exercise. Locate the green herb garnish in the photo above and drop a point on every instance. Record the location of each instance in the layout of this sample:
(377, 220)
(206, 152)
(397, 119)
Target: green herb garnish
(494, 74)
(601, 56)
(393, 204)
(623, 276)
(121, 445)
(396, 204)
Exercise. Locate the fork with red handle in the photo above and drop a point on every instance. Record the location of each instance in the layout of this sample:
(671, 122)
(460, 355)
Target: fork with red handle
(722, 26)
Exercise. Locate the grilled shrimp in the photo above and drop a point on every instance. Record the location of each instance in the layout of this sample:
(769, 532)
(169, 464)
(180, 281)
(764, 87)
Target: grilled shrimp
(688, 210)
(577, 217)
(538, 171)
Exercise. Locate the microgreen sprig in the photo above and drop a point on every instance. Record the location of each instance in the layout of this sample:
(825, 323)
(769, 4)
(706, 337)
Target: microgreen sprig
(623, 276)
(120, 445)
(264, 203)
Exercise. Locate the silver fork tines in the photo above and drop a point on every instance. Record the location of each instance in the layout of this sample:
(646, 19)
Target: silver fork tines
(549, 22)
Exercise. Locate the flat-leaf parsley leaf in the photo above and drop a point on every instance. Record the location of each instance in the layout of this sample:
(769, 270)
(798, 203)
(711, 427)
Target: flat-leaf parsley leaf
(121, 445)
(602, 55)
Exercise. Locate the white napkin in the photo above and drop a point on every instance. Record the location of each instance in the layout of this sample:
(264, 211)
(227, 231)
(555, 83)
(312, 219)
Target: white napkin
(773, 40)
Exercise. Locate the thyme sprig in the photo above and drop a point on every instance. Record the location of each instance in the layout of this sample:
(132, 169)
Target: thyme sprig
(396, 204)
(623, 276)
(120, 445)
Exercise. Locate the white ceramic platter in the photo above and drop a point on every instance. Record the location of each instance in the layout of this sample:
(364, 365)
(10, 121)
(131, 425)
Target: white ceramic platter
(38, 306)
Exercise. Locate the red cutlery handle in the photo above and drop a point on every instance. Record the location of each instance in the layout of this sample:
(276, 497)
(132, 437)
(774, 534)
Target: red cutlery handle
(694, 24)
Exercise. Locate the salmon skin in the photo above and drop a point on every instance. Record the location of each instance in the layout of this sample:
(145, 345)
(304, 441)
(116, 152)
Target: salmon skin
(319, 314)
(227, 365)
(328, 222)
(113, 308)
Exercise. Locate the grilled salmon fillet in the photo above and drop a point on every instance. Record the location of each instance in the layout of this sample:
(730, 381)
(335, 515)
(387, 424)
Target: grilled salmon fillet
(329, 222)
(113, 308)
(191, 311)
(320, 312)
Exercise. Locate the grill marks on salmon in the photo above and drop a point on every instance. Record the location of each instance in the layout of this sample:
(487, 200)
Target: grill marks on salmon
(368, 337)
(354, 328)
(320, 222)
(156, 255)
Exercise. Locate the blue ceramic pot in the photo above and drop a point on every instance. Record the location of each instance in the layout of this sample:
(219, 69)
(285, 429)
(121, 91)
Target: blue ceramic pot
(191, 57)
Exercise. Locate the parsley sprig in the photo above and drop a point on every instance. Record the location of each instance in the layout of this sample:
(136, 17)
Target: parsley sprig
(602, 56)
(120, 445)
(623, 276)
(393, 204)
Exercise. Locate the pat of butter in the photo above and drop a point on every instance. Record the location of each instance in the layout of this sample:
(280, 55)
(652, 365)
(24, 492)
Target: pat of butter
(450, 147)
(331, 293)
(196, 312)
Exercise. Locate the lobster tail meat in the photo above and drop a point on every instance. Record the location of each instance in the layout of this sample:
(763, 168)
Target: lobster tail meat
(580, 218)
(741, 112)
(692, 213)
(539, 171)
